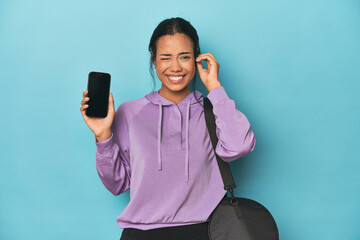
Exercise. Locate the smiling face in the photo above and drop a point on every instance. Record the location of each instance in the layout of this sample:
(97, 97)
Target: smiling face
(175, 64)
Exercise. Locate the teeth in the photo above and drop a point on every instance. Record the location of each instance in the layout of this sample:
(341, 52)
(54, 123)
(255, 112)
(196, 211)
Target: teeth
(176, 78)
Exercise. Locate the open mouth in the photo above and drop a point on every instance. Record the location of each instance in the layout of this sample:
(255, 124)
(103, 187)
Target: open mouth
(175, 78)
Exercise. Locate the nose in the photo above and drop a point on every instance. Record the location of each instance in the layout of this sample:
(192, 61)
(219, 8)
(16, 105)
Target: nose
(175, 66)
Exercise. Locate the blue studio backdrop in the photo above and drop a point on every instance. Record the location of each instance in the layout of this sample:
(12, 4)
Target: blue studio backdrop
(292, 67)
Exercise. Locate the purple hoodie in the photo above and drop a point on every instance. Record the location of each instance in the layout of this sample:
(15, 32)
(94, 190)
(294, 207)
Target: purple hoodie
(162, 152)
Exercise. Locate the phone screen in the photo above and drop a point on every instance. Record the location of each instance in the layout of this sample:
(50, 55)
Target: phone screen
(98, 92)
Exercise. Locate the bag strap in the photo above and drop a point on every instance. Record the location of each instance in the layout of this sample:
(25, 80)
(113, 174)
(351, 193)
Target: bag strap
(229, 183)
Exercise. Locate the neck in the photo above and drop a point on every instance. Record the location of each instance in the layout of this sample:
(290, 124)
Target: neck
(174, 96)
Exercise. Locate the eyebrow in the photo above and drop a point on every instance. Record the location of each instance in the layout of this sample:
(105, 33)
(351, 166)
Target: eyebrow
(178, 54)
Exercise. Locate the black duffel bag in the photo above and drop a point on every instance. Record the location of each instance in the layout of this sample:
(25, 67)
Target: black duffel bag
(236, 218)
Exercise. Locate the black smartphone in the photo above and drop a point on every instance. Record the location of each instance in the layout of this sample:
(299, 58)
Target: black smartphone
(98, 92)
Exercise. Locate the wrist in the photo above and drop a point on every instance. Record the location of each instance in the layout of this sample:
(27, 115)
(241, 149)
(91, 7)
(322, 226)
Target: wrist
(103, 136)
(213, 85)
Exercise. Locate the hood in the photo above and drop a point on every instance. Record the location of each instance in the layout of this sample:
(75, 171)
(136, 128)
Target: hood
(155, 98)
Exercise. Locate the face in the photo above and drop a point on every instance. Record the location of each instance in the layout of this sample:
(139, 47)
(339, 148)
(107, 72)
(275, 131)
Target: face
(175, 63)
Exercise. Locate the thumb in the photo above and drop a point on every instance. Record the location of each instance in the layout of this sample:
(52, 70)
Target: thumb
(199, 65)
(111, 101)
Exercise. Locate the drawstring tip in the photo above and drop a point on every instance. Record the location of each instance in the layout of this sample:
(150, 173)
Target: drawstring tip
(159, 164)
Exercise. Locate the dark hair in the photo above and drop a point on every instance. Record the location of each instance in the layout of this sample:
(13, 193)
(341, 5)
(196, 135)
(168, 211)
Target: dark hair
(171, 26)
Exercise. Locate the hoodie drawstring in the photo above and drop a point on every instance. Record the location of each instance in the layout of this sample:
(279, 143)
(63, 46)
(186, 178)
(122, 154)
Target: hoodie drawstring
(187, 143)
(159, 136)
(186, 140)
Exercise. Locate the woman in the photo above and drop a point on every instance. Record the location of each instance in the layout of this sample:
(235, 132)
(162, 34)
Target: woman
(158, 146)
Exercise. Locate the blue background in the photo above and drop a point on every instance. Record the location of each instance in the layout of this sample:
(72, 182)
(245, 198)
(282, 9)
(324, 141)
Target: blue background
(292, 68)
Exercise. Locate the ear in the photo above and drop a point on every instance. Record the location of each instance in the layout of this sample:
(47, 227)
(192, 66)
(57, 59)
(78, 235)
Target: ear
(153, 58)
(196, 55)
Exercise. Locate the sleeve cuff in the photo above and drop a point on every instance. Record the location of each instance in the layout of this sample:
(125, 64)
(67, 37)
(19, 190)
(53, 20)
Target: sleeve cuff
(217, 94)
(106, 146)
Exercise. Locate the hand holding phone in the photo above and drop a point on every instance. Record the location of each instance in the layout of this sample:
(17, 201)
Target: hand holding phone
(98, 121)
(99, 89)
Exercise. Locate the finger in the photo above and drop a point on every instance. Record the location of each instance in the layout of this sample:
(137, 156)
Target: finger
(206, 58)
(111, 100)
(209, 57)
(85, 100)
(209, 61)
(204, 55)
(202, 71)
(200, 57)
(85, 93)
(82, 110)
(213, 58)
(83, 107)
(200, 67)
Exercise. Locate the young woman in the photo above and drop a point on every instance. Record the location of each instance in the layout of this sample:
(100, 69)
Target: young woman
(158, 146)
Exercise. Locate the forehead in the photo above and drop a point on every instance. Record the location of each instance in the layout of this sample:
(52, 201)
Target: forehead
(174, 44)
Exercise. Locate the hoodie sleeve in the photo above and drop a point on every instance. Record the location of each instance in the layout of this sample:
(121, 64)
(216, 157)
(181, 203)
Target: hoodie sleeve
(236, 139)
(112, 156)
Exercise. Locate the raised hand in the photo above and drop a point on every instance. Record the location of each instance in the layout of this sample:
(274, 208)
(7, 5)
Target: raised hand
(208, 76)
(101, 127)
